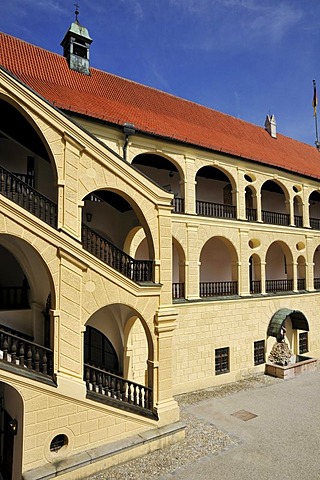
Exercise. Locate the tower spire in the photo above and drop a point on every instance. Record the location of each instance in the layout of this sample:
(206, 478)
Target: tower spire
(76, 11)
(76, 46)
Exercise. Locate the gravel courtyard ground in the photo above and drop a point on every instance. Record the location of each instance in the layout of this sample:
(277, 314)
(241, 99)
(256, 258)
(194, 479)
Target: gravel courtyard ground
(202, 438)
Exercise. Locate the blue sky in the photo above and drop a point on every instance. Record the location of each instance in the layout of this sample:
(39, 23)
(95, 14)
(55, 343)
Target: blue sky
(246, 58)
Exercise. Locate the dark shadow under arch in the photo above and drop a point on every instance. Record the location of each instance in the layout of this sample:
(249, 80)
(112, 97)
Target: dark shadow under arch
(298, 320)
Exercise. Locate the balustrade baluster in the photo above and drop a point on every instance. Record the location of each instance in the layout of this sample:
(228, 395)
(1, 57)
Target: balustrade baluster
(5, 348)
(140, 398)
(99, 382)
(104, 384)
(112, 385)
(8, 187)
(37, 360)
(44, 362)
(87, 378)
(124, 387)
(94, 380)
(13, 351)
(118, 389)
(2, 181)
(21, 354)
(29, 357)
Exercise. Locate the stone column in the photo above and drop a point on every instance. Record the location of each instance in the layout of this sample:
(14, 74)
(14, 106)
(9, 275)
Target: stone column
(167, 407)
(192, 262)
(70, 205)
(68, 325)
(190, 186)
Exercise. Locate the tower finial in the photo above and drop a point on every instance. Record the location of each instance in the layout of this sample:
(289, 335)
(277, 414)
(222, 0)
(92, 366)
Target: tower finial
(76, 11)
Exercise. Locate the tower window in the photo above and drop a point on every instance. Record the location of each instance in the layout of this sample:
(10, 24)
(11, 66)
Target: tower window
(79, 50)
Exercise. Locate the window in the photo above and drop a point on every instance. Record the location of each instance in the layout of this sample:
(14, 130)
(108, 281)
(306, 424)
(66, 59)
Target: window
(222, 360)
(303, 343)
(58, 442)
(259, 352)
(99, 351)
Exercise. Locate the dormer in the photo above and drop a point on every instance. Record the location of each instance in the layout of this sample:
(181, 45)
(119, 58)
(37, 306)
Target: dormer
(271, 125)
(76, 46)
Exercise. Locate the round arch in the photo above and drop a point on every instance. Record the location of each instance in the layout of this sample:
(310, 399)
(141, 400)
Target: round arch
(113, 321)
(159, 161)
(32, 317)
(19, 122)
(279, 260)
(215, 192)
(11, 440)
(118, 204)
(275, 204)
(218, 268)
(298, 321)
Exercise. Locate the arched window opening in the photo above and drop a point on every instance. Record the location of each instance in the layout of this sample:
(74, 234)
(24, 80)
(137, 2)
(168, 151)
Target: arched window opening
(279, 268)
(99, 351)
(297, 209)
(107, 219)
(215, 195)
(273, 204)
(218, 269)
(251, 209)
(27, 176)
(164, 173)
(314, 210)
(178, 271)
(25, 304)
(301, 273)
(316, 268)
(255, 274)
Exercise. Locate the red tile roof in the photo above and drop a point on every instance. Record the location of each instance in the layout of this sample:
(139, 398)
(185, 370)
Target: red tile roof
(116, 100)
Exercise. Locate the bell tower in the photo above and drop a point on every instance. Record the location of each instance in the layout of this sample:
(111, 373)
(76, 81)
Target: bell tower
(76, 46)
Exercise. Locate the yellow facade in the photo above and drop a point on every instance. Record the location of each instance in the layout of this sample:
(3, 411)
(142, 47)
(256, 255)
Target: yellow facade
(230, 243)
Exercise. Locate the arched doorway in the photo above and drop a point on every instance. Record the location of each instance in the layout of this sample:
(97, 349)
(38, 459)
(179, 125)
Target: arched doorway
(293, 321)
(11, 432)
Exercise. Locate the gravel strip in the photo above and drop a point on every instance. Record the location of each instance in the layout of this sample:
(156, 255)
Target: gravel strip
(202, 438)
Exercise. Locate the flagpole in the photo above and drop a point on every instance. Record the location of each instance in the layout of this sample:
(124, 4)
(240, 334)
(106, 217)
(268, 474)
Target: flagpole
(314, 104)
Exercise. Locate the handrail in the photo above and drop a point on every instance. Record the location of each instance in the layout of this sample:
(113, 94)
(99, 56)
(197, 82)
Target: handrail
(107, 252)
(117, 388)
(315, 223)
(275, 218)
(255, 286)
(178, 205)
(251, 214)
(218, 289)
(274, 286)
(178, 290)
(217, 210)
(12, 187)
(24, 353)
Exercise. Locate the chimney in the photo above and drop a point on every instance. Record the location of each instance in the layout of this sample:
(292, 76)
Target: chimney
(271, 125)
